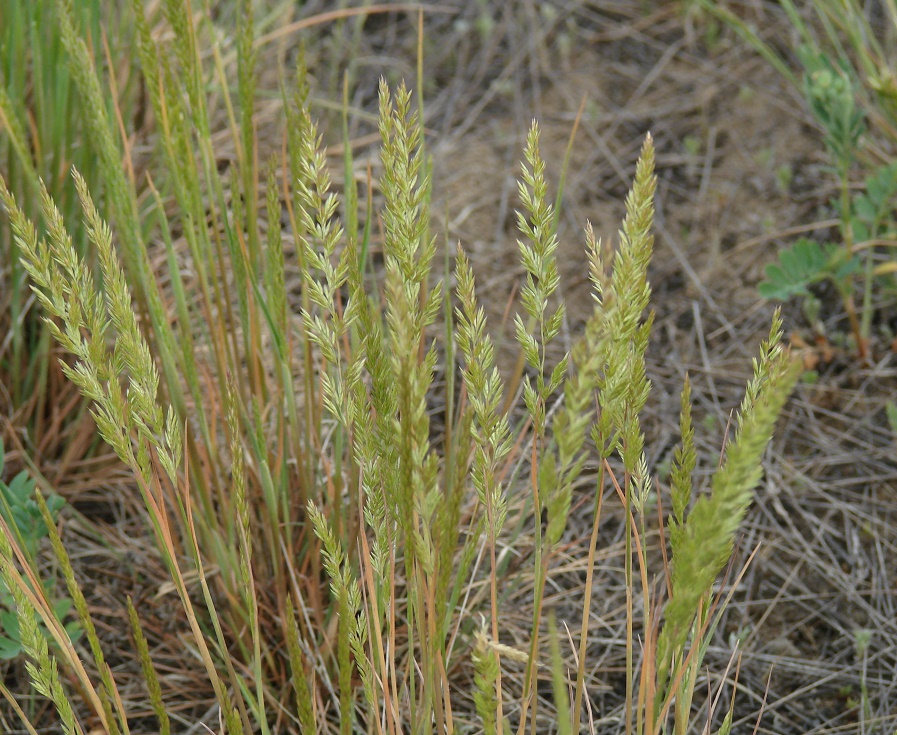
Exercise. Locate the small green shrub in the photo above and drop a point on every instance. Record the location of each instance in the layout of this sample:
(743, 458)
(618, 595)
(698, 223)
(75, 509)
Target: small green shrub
(866, 218)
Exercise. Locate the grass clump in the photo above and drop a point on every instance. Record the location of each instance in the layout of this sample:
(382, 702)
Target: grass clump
(297, 456)
(43, 122)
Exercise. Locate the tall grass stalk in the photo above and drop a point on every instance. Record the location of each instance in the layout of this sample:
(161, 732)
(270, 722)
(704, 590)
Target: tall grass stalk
(42, 125)
(287, 441)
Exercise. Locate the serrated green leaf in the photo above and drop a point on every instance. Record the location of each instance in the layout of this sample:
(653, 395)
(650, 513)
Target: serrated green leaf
(778, 286)
(843, 268)
(9, 648)
(802, 264)
(55, 504)
(861, 231)
(865, 209)
(21, 486)
(790, 262)
(22, 519)
(882, 185)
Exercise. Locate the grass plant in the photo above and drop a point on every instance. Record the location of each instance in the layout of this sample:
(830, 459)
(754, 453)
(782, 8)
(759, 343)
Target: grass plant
(42, 124)
(288, 444)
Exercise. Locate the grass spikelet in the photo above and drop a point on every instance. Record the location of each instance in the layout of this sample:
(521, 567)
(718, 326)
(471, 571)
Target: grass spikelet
(484, 387)
(537, 254)
(345, 590)
(538, 257)
(108, 692)
(149, 671)
(684, 460)
(491, 435)
(626, 387)
(572, 423)
(305, 705)
(411, 307)
(486, 679)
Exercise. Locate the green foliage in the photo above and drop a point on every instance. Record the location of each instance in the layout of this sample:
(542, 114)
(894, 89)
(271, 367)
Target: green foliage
(805, 263)
(22, 515)
(873, 210)
(867, 220)
(21, 512)
(829, 90)
(848, 81)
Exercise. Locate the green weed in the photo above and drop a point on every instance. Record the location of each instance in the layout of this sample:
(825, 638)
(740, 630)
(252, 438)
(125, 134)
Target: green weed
(848, 82)
(23, 519)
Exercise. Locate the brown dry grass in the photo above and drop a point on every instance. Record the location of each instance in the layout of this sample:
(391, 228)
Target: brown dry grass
(825, 518)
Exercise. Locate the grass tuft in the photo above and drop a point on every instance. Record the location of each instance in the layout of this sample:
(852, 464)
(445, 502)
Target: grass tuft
(320, 534)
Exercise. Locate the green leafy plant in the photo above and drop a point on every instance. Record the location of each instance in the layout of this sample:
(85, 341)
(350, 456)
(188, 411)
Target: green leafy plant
(803, 264)
(830, 93)
(869, 218)
(829, 89)
(848, 82)
(23, 517)
(806, 263)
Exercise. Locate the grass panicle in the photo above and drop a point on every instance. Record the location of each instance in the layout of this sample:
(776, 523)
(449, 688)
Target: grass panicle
(706, 539)
(154, 689)
(486, 680)
(41, 665)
